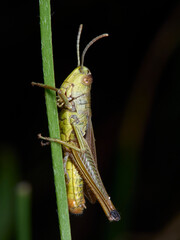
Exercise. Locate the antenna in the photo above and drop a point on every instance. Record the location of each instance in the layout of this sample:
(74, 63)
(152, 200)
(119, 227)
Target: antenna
(78, 44)
(80, 63)
(91, 43)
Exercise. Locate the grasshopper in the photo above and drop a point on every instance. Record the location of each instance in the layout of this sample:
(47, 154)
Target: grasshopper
(77, 139)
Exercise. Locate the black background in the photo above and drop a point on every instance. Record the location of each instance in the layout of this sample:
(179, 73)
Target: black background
(146, 189)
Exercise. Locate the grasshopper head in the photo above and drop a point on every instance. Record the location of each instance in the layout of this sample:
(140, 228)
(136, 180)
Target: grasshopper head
(80, 78)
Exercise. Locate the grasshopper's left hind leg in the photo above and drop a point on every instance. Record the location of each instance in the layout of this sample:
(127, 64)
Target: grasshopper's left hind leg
(66, 144)
(66, 155)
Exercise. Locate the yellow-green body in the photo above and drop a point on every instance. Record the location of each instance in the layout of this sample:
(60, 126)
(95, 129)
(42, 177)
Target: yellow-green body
(77, 139)
(75, 194)
(74, 89)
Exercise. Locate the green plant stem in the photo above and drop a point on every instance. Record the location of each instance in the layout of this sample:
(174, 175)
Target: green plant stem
(53, 123)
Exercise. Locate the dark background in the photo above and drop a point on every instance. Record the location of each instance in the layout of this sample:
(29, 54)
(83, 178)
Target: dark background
(135, 105)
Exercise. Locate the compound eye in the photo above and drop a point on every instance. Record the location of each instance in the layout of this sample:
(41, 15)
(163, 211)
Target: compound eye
(87, 80)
